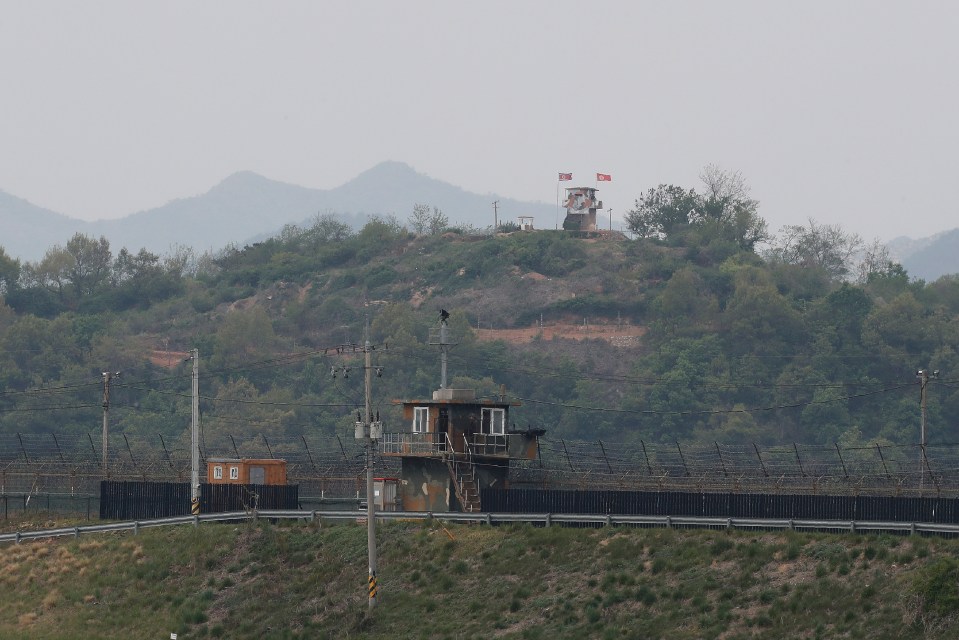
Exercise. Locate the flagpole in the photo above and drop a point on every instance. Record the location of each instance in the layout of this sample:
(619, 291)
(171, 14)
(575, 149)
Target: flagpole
(557, 205)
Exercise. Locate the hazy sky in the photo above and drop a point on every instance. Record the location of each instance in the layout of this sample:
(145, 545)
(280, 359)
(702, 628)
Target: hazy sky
(847, 112)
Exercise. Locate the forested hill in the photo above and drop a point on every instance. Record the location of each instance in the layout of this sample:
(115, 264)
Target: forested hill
(688, 332)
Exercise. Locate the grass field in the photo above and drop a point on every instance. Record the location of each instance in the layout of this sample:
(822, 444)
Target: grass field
(309, 581)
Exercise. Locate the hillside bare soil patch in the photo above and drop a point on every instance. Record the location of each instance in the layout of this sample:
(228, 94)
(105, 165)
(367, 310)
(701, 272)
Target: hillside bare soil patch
(616, 334)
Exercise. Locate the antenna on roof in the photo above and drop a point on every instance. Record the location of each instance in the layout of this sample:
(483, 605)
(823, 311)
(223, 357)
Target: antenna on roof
(443, 341)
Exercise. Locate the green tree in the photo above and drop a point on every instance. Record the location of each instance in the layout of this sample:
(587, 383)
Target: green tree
(662, 211)
(428, 222)
(685, 302)
(91, 263)
(52, 272)
(823, 246)
(9, 272)
(244, 337)
(724, 210)
(420, 219)
(727, 202)
(438, 221)
(758, 319)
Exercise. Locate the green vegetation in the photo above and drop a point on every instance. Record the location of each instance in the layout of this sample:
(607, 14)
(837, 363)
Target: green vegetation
(308, 581)
(809, 336)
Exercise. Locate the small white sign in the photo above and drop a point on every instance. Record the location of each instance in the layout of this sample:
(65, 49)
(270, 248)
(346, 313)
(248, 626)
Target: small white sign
(172, 636)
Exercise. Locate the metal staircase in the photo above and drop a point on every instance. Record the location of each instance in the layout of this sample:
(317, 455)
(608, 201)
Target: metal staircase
(463, 473)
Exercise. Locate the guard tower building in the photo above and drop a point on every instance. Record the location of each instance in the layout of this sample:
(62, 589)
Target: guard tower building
(582, 204)
(454, 445)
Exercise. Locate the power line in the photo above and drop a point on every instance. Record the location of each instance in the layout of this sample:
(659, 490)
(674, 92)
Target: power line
(710, 411)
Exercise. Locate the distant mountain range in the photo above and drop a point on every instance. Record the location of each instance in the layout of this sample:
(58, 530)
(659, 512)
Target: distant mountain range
(246, 207)
(928, 258)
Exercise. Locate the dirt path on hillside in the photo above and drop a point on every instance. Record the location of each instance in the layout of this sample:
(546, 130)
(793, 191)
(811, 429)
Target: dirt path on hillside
(618, 335)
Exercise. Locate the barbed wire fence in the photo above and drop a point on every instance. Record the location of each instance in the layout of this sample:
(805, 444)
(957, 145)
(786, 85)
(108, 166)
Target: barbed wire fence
(878, 469)
(333, 466)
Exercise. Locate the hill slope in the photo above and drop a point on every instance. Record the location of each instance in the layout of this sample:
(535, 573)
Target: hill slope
(246, 207)
(938, 257)
(249, 581)
(27, 231)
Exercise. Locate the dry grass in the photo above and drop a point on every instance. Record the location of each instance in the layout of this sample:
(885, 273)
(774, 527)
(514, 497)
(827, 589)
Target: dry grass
(467, 581)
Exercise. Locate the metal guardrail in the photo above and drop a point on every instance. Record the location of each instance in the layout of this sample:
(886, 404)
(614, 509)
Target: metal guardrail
(545, 519)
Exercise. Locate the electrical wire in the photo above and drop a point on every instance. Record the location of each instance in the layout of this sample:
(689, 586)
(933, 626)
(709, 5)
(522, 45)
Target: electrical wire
(711, 411)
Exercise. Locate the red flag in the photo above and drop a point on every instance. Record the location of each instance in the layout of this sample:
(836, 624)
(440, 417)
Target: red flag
(603, 177)
(565, 176)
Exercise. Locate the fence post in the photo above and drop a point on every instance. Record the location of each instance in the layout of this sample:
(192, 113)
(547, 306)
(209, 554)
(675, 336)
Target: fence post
(25, 458)
(566, 451)
(683, 458)
(310, 455)
(721, 463)
(799, 460)
(761, 463)
(649, 467)
(609, 468)
(881, 457)
(841, 461)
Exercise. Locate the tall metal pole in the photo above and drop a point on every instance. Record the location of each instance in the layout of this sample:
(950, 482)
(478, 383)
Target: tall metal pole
(195, 436)
(443, 351)
(924, 376)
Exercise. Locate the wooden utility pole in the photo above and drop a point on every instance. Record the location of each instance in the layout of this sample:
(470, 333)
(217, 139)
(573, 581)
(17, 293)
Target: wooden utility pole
(495, 215)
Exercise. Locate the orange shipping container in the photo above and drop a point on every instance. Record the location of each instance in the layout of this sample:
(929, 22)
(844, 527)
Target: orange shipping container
(245, 471)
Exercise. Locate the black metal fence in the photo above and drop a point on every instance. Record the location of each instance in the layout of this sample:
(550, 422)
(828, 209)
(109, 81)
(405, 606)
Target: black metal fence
(724, 505)
(143, 500)
(217, 498)
(146, 500)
